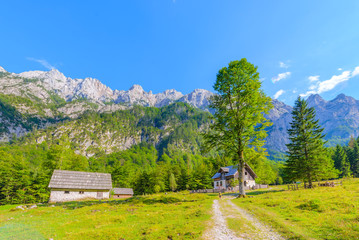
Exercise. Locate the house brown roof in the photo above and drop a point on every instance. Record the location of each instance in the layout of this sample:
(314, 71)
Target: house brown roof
(126, 191)
(232, 170)
(63, 179)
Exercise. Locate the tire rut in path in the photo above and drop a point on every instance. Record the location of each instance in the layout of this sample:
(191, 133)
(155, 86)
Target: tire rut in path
(220, 230)
(263, 231)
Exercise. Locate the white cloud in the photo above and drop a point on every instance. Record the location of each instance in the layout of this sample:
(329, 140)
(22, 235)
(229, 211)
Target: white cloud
(355, 72)
(333, 82)
(281, 76)
(43, 62)
(277, 94)
(339, 69)
(307, 93)
(330, 84)
(283, 65)
(295, 91)
(313, 78)
(313, 87)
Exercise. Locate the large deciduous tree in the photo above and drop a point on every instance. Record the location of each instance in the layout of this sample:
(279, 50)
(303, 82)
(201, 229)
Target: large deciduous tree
(308, 159)
(238, 121)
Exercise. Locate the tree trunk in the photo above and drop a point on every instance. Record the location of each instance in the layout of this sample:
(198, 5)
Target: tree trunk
(310, 184)
(242, 192)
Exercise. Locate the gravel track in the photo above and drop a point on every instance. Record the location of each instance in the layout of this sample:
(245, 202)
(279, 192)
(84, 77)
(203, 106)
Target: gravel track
(220, 231)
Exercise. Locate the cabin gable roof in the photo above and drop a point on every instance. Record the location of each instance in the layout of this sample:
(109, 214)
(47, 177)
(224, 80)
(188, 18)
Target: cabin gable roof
(126, 191)
(63, 179)
(232, 170)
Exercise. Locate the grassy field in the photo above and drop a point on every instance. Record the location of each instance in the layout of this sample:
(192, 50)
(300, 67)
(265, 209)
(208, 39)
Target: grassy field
(319, 213)
(171, 216)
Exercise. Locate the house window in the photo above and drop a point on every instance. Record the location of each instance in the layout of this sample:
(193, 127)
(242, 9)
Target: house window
(67, 192)
(217, 184)
(245, 173)
(221, 183)
(81, 192)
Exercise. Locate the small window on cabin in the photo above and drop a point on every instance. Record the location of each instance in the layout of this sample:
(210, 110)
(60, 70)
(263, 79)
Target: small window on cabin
(67, 192)
(81, 192)
(245, 173)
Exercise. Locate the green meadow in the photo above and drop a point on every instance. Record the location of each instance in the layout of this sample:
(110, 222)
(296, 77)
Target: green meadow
(319, 213)
(171, 216)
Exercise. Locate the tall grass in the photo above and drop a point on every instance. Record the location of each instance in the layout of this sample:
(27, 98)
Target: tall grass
(171, 216)
(319, 213)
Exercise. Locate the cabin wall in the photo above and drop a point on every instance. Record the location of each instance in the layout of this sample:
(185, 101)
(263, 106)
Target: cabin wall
(121, 196)
(250, 183)
(219, 184)
(248, 176)
(58, 195)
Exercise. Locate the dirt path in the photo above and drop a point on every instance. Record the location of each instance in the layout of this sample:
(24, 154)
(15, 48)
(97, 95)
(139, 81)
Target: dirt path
(248, 226)
(219, 229)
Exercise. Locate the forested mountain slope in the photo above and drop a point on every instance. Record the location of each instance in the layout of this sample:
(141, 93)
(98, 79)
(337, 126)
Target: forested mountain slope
(36, 100)
(176, 125)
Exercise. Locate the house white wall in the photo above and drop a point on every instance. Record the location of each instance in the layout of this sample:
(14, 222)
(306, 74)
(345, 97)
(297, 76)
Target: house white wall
(59, 195)
(250, 183)
(219, 186)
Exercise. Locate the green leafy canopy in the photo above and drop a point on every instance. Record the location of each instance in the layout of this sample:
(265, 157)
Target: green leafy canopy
(240, 105)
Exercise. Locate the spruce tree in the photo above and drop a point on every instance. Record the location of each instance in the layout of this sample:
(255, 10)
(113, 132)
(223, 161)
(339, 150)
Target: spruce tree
(308, 160)
(341, 162)
(354, 160)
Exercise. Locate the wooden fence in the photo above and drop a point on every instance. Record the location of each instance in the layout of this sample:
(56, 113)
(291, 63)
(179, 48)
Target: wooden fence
(297, 186)
(225, 190)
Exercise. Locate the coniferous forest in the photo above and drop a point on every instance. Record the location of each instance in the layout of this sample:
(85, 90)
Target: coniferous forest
(165, 155)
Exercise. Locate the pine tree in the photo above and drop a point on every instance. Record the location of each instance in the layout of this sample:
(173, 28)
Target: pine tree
(354, 160)
(308, 160)
(341, 162)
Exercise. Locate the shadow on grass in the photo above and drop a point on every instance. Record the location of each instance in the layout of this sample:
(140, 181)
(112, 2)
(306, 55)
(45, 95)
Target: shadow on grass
(255, 193)
(19, 232)
(133, 200)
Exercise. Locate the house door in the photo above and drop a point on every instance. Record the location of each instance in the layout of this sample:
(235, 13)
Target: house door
(99, 194)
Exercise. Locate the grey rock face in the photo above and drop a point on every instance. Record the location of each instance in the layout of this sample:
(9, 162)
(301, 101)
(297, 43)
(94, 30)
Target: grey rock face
(281, 117)
(92, 89)
(2, 69)
(198, 98)
(339, 118)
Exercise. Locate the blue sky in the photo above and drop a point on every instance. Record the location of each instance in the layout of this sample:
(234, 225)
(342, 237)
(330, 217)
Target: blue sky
(300, 47)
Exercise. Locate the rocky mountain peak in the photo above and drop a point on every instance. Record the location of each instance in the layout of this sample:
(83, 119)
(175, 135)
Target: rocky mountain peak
(316, 100)
(136, 88)
(342, 98)
(198, 98)
(2, 69)
(54, 74)
(31, 74)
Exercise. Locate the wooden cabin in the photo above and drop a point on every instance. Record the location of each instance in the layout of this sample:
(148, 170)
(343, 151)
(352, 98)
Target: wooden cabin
(225, 176)
(75, 185)
(122, 192)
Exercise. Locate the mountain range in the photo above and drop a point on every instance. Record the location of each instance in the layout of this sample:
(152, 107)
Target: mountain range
(39, 99)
